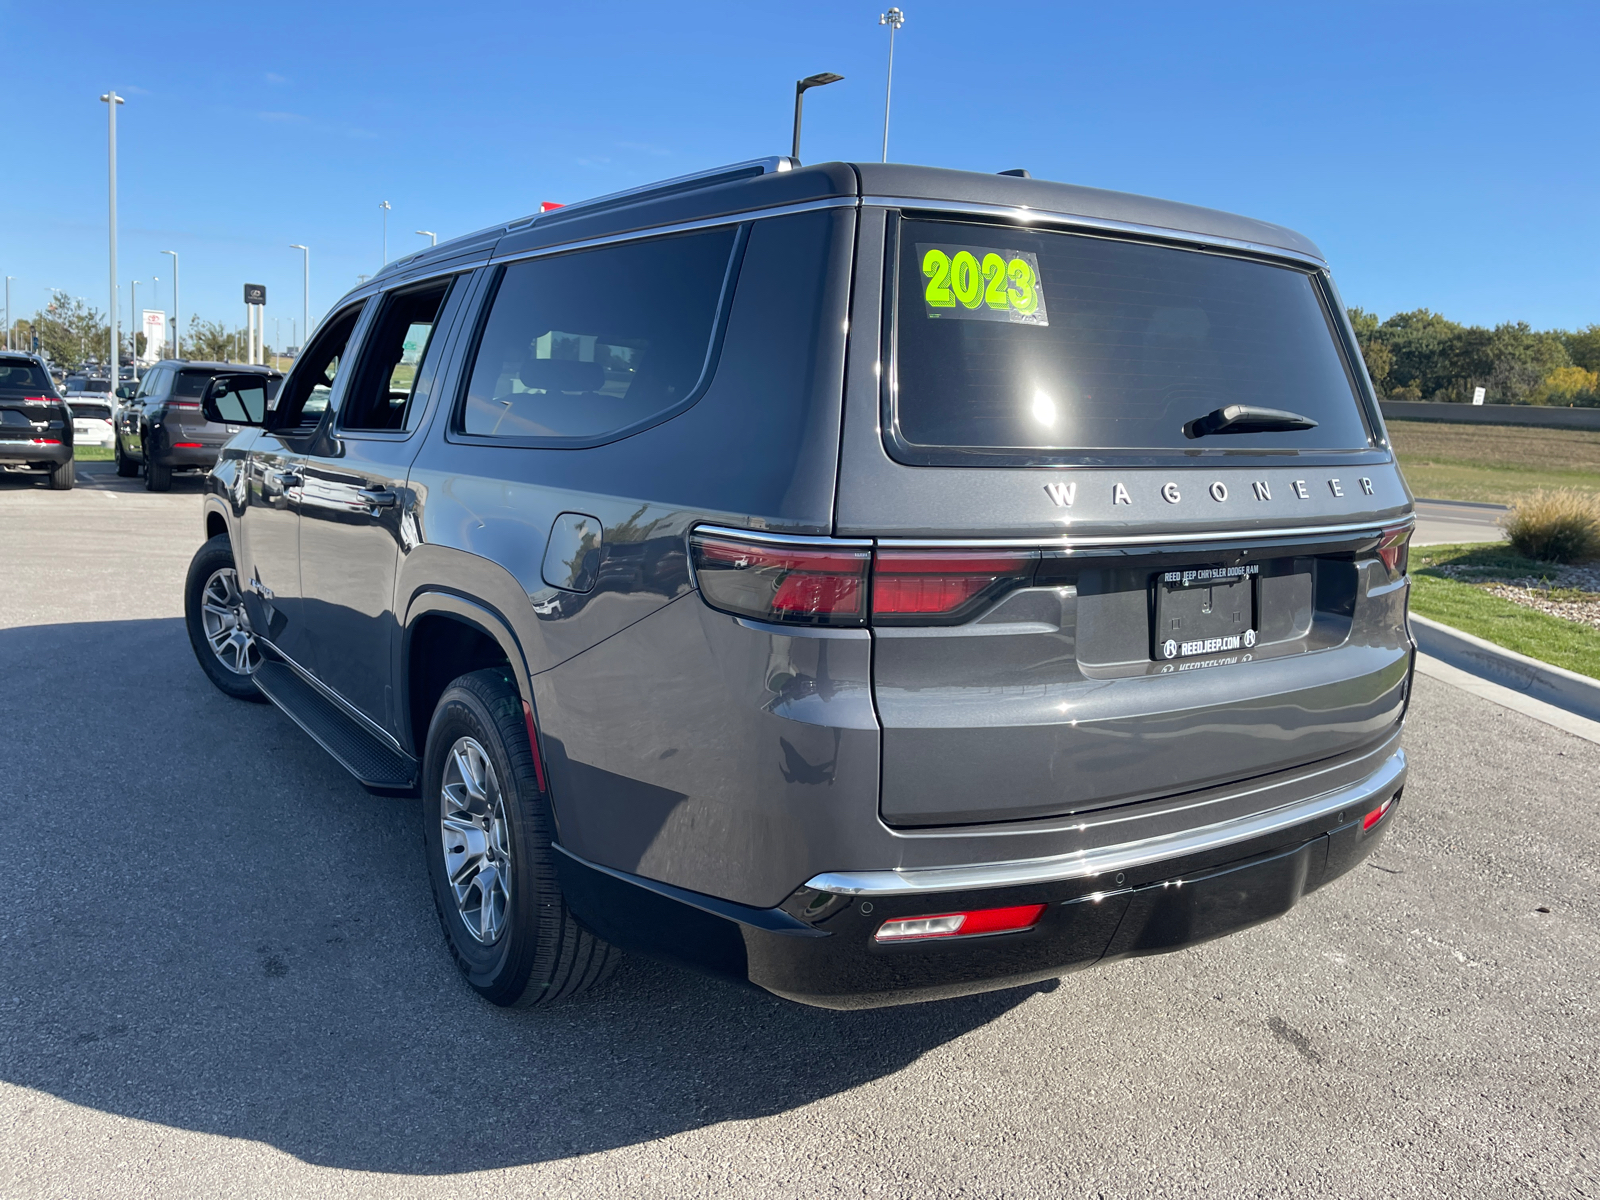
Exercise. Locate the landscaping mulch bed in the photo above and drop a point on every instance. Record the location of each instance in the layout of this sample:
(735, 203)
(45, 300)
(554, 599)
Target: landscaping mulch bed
(1569, 592)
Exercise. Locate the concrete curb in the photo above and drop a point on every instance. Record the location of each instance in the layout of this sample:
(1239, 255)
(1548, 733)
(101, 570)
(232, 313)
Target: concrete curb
(1554, 685)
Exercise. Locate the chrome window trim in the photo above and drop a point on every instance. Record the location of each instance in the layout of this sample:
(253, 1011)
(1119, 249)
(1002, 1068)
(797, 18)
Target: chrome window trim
(1049, 217)
(1124, 856)
(654, 231)
(825, 541)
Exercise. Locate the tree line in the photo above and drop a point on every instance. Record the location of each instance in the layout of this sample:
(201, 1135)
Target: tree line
(73, 333)
(1422, 355)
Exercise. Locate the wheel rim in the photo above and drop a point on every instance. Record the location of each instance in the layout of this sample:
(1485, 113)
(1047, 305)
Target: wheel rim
(227, 625)
(477, 840)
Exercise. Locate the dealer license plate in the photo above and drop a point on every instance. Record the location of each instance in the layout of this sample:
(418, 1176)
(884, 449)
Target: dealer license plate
(1203, 610)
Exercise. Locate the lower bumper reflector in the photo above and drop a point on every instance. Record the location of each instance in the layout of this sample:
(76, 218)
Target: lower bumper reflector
(963, 924)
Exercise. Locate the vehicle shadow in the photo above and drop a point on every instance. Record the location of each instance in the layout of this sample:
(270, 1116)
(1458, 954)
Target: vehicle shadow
(212, 928)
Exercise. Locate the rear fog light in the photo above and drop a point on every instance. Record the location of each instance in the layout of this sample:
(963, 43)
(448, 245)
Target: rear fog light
(1376, 815)
(962, 924)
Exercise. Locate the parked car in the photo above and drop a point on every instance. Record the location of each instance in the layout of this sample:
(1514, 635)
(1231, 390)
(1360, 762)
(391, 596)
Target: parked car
(90, 401)
(162, 430)
(876, 583)
(35, 427)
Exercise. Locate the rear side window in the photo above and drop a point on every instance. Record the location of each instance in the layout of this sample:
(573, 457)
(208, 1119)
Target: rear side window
(18, 375)
(1030, 345)
(579, 347)
(190, 384)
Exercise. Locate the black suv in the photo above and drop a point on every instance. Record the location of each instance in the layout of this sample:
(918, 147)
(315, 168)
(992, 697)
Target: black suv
(35, 424)
(873, 582)
(162, 430)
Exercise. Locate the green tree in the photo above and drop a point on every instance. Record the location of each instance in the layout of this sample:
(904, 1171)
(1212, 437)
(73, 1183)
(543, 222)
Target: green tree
(210, 340)
(71, 332)
(1583, 347)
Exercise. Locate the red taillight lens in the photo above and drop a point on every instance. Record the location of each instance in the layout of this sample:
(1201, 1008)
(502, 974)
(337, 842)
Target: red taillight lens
(927, 586)
(41, 399)
(187, 446)
(185, 405)
(45, 441)
(963, 924)
(1394, 549)
(793, 583)
(1377, 814)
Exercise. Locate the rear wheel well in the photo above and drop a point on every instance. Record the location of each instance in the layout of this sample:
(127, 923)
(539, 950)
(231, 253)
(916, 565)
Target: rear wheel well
(441, 649)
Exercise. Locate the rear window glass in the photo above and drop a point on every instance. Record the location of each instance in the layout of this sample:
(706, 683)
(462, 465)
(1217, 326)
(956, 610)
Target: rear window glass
(191, 383)
(1038, 344)
(22, 376)
(582, 345)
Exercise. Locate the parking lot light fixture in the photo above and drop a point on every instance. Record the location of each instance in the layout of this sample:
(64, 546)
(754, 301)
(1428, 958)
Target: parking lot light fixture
(111, 100)
(802, 86)
(305, 313)
(384, 204)
(9, 278)
(429, 234)
(177, 321)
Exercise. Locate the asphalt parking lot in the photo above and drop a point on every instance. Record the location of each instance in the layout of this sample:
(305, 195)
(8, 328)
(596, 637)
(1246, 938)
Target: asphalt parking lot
(220, 973)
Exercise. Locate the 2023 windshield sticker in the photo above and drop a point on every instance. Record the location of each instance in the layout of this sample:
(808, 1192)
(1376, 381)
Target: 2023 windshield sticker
(982, 283)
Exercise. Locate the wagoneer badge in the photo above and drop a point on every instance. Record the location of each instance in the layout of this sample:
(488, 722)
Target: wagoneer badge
(1063, 494)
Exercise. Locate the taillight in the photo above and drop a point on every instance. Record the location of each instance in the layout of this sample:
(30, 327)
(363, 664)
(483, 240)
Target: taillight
(936, 586)
(786, 582)
(41, 399)
(188, 446)
(961, 924)
(1394, 549)
(186, 405)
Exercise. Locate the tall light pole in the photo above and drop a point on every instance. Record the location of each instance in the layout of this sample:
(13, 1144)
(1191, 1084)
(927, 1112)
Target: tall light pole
(801, 86)
(111, 100)
(894, 18)
(305, 312)
(430, 234)
(9, 278)
(133, 331)
(384, 204)
(177, 322)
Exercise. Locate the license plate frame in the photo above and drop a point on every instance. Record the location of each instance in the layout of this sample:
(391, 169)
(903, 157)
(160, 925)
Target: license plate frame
(1202, 610)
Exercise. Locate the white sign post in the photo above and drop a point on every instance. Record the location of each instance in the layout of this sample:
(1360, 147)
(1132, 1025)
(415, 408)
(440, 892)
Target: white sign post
(1477, 395)
(155, 336)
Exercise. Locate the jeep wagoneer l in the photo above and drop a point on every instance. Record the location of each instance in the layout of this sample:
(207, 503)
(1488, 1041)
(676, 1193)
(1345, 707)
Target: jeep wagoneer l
(873, 582)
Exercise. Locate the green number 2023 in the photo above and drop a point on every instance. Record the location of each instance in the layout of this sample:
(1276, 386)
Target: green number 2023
(995, 283)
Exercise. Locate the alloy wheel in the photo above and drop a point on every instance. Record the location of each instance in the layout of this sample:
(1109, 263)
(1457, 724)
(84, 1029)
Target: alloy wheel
(477, 840)
(226, 624)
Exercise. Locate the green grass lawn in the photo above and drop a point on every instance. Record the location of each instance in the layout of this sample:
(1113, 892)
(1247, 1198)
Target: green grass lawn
(1467, 607)
(91, 453)
(1495, 464)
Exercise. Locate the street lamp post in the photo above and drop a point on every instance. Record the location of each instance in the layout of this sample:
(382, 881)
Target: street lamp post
(894, 18)
(305, 311)
(384, 204)
(133, 332)
(801, 86)
(430, 234)
(9, 278)
(111, 100)
(177, 317)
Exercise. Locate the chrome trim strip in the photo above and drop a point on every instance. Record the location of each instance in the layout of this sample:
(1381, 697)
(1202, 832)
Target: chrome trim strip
(633, 235)
(344, 705)
(781, 539)
(1047, 216)
(1224, 535)
(768, 165)
(1121, 857)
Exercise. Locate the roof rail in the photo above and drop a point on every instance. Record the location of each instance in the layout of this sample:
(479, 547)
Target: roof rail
(669, 187)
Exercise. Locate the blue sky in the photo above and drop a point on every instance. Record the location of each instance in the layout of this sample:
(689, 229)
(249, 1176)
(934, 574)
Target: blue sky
(1440, 153)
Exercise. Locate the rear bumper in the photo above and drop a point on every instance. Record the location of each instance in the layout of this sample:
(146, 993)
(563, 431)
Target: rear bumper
(51, 452)
(1139, 898)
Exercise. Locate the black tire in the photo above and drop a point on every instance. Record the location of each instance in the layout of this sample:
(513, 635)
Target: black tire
(61, 476)
(540, 954)
(215, 557)
(157, 478)
(126, 467)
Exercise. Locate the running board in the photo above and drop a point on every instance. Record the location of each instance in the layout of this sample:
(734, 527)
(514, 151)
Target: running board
(379, 768)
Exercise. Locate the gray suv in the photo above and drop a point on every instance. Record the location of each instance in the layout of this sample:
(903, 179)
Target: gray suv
(873, 582)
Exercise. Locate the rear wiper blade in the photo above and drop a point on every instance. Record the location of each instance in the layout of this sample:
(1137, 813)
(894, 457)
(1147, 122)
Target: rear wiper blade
(1246, 418)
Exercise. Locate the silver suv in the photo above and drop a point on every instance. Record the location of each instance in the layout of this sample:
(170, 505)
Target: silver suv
(877, 583)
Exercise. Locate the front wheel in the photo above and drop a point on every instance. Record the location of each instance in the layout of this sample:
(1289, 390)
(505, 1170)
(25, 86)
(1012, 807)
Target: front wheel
(219, 628)
(487, 832)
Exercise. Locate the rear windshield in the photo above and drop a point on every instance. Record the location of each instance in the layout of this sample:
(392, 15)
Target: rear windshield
(1040, 344)
(22, 376)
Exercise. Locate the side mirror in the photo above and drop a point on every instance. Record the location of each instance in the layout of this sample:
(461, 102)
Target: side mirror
(235, 400)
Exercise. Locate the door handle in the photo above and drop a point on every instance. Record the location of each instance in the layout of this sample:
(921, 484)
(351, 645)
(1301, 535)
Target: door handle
(378, 497)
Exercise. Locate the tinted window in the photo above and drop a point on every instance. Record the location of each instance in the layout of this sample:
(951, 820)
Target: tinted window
(309, 387)
(582, 345)
(1030, 341)
(190, 384)
(397, 368)
(19, 375)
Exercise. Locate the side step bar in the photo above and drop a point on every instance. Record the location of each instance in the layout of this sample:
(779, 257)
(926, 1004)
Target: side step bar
(379, 768)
